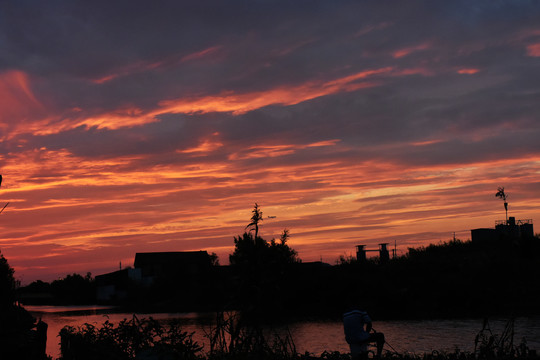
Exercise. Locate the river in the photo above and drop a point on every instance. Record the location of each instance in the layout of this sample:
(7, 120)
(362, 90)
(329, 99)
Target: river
(314, 336)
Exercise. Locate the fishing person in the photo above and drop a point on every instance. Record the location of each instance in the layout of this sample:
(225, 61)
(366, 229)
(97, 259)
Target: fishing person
(359, 333)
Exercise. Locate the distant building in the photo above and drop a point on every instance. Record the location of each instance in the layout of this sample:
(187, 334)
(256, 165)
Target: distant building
(115, 285)
(384, 255)
(161, 265)
(186, 269)
(505, 230)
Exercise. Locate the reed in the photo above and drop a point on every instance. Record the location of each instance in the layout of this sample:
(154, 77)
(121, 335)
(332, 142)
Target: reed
(234, 338)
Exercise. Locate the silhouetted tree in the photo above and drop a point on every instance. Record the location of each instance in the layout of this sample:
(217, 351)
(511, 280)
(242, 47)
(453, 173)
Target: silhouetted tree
(259, 252)
(256, 218)
(214, 259)
(17, 339)
(7, 282)
(74, 289)
(262, 270)
(501, 194)
(284, 236)
(281, 253)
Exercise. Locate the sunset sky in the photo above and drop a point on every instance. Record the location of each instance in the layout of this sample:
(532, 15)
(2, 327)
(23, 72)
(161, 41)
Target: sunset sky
(135, 126)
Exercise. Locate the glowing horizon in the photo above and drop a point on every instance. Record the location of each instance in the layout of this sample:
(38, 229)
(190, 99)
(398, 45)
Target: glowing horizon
(356, 127)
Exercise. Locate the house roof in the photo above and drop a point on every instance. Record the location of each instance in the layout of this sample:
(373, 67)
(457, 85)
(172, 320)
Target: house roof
(184, 257)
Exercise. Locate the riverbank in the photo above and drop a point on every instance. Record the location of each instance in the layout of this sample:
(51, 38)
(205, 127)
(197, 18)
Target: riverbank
(313, 335)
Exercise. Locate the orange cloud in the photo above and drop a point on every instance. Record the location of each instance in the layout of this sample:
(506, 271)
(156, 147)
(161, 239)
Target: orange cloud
(228, 101)
(290, 95)
(265, 151)
(19, 98)
(205, 146)
(58, 201)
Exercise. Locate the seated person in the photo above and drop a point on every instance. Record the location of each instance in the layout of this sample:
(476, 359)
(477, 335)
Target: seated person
(357, 325)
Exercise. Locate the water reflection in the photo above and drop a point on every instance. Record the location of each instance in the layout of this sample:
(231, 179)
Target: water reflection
(311, 335)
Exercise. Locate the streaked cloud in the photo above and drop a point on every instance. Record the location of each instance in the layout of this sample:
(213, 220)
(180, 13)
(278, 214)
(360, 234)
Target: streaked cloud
(158, 128)
(242, 103)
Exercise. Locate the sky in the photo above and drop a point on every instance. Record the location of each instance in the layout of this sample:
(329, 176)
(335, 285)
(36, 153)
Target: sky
(137, 126)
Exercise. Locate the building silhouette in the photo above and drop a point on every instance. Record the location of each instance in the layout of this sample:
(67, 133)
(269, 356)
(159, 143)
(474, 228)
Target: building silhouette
(510, 231)
(185, 269)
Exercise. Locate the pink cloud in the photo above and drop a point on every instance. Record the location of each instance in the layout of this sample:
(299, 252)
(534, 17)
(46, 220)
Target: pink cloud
(533, 50)
(168, 62)
(16, 96)
(468, 71)
(409, 50)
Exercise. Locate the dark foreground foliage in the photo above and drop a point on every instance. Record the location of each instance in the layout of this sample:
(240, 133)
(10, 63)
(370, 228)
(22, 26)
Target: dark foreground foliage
(232, 339)
(21, 337)
(130, 339)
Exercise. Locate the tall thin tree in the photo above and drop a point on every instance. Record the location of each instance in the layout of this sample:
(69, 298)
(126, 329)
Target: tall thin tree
(501, 194)
(256, 218)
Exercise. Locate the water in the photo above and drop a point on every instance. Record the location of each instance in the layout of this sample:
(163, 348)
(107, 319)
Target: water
(314, 336)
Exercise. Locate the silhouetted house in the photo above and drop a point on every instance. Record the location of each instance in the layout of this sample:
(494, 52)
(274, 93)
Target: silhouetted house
(177, 265)
(310, 267)
(115, 285)
(510, 230)
(180, 272)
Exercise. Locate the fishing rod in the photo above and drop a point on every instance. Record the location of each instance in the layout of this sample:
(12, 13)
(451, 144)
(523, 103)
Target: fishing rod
(387, 343)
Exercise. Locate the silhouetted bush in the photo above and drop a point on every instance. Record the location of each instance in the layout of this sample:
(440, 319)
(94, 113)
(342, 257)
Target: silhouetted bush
(231, 339)
(131, 339)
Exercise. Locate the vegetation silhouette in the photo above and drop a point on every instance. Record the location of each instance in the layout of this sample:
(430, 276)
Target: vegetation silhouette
(149, 339)
(501, 194)
(267, 281)
(448, 280)
(74, 289)
(261, 274)
(256, 219)
(21, 337)
(130, 339)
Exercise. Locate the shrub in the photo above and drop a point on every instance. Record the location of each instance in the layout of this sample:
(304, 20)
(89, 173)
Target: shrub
(131, 339)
